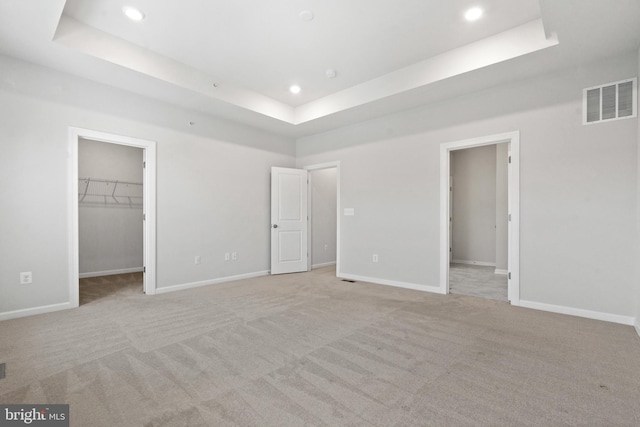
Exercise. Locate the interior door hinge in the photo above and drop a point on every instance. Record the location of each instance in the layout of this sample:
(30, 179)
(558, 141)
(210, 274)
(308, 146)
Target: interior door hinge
(144, 269)
(509, 217)
(509, 275)
(509, 159)
(144, 217)
(144, 165)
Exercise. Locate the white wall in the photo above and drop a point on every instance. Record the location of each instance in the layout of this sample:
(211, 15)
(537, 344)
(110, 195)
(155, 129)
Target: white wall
(110, 238)
(474, 205)
(502, 206)
(212, 183)
(578, 188)
(323, 216)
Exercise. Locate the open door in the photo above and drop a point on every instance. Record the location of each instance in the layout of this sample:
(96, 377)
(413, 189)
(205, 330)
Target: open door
(288, 220)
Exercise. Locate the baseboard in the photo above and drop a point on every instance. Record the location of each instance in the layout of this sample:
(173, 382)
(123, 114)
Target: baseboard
(637, 326)
(464, 261)
(323, 264)
(503, 272)
(597, 315)
(35, 310)
(110, 272)
(414, 286)
(218, 281)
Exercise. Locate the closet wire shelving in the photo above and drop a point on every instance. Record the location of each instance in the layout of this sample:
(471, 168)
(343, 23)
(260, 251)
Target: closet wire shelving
(95, 191)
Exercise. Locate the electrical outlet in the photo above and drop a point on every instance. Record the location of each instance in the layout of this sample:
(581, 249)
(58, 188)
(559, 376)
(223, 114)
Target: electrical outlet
(198, 260)
(374, 258)
(234, 256)
(26, 278)
(227, 256)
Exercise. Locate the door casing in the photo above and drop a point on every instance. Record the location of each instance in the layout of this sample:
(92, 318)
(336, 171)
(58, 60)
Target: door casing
(513, 138)
(149, 206)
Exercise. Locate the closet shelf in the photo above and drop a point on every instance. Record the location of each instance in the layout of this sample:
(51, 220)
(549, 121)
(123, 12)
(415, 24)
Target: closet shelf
(109, 192)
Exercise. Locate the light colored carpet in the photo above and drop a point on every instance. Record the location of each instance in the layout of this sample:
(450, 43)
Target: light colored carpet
(309, 349)
(478, 281)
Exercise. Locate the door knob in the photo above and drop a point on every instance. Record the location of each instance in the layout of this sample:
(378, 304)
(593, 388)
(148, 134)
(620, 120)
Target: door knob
(275, 225)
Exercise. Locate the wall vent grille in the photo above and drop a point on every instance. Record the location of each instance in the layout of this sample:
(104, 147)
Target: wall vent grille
(611, 101)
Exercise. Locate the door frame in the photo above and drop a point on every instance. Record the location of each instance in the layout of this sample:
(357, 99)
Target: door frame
(513, 290)
(149, 206)
(309, 169)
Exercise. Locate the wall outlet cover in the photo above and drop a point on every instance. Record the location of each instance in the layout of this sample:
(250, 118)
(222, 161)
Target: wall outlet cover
(26, 278)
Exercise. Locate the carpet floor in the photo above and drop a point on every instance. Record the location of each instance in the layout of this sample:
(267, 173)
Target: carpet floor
(308, 349)
(477, 281)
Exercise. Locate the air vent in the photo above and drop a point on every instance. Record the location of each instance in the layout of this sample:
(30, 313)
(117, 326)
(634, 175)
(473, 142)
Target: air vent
(610, 101)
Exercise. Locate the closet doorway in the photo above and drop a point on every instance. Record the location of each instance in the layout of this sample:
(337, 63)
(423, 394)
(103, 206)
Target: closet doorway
(113, 213)
(110, 219)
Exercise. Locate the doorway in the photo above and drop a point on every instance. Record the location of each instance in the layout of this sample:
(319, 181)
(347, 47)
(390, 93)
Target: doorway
(294, 246)
(146, 199)
(323, 217)
(110, 219)
(313, 240)
(513, 262)
(478, 221)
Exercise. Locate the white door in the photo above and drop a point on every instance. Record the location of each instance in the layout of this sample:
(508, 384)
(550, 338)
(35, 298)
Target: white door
(288, 220)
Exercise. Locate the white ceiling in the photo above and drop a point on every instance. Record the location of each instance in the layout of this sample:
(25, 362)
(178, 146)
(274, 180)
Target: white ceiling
(236, 59)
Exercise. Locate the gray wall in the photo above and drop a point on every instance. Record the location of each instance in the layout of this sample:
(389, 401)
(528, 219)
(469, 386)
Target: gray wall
(637, 255)
(110, 238)
(502, 206)
(474, 205)
(323, 216)
(578, 188)
(212, 182)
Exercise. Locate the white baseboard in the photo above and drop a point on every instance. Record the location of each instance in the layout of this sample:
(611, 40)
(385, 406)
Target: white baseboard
(110, 272)
(597, 315)
(503, 272)
(414, 286)
(323, 264)
(35, 310)
(210, 282)
(464, 261)
(637, 326)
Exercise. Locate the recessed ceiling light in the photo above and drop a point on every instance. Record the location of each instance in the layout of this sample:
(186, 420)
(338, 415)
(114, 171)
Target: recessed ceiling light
(133, 13)
(294, 89)
(473, 14)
